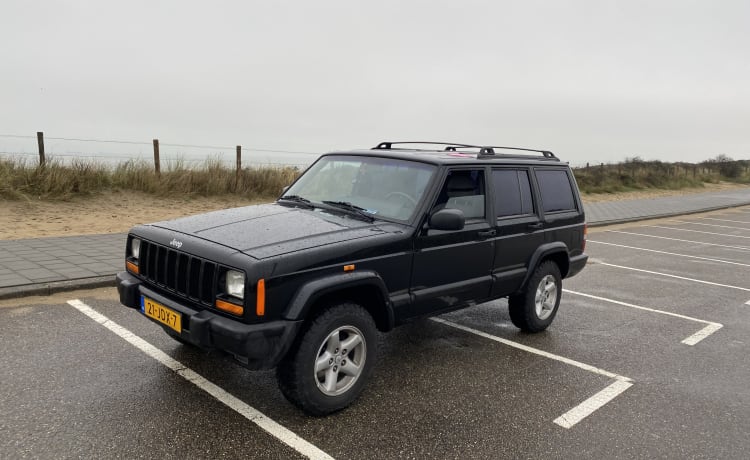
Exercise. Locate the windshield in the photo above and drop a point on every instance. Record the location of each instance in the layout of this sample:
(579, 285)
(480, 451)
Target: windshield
(382, 187)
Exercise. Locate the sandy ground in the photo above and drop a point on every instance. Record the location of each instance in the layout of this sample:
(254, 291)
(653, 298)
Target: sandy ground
(106, 213)
(118, 211)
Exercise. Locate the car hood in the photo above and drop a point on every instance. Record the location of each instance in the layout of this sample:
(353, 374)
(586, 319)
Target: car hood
(269, 230)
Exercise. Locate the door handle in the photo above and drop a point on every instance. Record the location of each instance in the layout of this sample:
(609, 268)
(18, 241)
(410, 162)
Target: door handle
(536, 226)
(487, 233)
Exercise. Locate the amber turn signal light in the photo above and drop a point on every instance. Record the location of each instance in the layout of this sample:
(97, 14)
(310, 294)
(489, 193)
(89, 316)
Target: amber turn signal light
(131, 267)
(229, 307)
(260, 299)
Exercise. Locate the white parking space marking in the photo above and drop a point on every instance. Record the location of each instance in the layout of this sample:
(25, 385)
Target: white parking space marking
(271, 427)
(587, 407)
(674, 276)
(670, 253)
(709, 225)
(710, 328)
(744, 248)
(726, 220)
(699, 231)
(747, 303)
(702, 334)
(581, 411)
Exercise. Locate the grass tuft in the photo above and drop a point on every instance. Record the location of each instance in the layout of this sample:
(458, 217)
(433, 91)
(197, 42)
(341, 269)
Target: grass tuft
(636, 174)
(19, 179)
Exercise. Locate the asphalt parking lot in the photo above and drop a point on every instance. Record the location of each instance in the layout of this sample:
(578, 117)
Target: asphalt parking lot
(646, 358)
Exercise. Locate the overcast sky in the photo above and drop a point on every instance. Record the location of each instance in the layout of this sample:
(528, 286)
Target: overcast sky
(590, 80)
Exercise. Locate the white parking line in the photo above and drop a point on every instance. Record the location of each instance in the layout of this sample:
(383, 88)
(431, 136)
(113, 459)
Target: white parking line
(747, 303)
(710, 328)
(726, 220)
(669, 253)
(674, 276)
(579, 412)
(587, 407)
(271, 427)
(709, 225)
(744, 248)
(699, 231)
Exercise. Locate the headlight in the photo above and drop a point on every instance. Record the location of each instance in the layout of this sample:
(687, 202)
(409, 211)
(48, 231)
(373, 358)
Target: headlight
(235, 284)
(135, 248)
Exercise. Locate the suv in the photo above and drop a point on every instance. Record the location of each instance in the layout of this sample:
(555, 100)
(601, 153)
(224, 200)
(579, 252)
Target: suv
(361, 242)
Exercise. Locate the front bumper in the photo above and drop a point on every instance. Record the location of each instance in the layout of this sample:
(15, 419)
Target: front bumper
(255, 346)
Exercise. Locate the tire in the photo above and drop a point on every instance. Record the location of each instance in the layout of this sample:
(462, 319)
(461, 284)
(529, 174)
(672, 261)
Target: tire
(534, 309)
(334, 386)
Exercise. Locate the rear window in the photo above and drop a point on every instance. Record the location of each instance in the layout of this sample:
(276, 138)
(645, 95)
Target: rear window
(557, 192)
(512, 192)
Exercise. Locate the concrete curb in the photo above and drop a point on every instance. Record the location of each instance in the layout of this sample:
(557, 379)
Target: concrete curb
(605, 223)
(45, 289)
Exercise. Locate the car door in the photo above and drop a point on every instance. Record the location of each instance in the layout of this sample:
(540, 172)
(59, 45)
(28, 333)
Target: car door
(518, 226)
(452, 268)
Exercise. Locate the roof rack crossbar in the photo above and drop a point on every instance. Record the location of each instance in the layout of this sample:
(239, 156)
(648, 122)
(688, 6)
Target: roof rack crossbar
(449, 146)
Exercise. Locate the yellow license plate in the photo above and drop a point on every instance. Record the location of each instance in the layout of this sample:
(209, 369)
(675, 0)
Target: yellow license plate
(162, 314)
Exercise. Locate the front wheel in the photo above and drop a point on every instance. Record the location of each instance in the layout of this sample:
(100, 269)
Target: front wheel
(329, 365)
(534, 309)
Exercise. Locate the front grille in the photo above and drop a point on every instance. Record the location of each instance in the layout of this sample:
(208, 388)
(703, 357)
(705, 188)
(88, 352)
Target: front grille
(185, 275)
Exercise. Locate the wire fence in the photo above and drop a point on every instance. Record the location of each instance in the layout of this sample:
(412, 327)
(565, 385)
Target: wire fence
(69, 149)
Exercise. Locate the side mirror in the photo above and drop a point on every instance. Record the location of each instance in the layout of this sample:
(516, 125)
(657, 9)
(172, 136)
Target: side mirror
(448, 219)
(284, 189)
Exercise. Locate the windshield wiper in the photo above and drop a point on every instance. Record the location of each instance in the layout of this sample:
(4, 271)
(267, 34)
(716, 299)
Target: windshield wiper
(351, 208)
(298, 199)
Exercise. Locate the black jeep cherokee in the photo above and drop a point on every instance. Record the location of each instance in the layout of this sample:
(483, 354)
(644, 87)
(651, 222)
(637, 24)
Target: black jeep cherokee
(362, 241)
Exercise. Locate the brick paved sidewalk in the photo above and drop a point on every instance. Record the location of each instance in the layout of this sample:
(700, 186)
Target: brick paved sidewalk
(48, 265)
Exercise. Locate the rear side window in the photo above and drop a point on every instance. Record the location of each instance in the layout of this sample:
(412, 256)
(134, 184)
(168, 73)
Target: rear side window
(557, 192)
(512, 192)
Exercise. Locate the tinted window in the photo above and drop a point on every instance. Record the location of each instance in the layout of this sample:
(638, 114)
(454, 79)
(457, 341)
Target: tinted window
(557, 194)
(512, 192)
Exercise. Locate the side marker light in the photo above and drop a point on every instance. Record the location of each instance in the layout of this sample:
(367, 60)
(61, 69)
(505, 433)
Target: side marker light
(260, 299)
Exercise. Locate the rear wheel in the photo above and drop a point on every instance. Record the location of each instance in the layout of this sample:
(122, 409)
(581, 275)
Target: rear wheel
(534, 309)
(329, 365)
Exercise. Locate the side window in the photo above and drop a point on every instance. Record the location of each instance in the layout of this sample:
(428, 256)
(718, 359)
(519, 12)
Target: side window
(464, 190)
(557, 193)
(512, 192)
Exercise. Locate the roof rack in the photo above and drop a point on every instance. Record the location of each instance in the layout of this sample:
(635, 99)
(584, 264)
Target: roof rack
(449, 146)
(490, 150)
(484, 151)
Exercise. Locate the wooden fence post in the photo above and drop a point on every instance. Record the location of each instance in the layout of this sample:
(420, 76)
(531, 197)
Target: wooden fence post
(157, 165)
(40, 141)
(239, 168)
